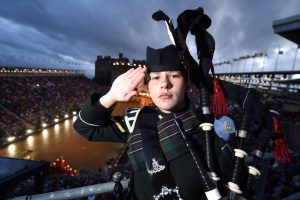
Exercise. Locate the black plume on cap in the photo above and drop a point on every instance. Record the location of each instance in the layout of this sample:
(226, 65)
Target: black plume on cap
(164, 59)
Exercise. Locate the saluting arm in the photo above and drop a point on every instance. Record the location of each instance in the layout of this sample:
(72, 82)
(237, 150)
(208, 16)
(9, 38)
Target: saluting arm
(95, 122)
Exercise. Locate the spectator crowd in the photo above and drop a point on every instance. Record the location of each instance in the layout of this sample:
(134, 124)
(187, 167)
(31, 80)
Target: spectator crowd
(28, 102)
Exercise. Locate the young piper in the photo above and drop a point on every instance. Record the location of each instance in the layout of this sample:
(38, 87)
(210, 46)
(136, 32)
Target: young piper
(165, 147)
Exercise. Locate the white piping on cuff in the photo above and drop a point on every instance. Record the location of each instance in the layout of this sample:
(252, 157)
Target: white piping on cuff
(85, 121)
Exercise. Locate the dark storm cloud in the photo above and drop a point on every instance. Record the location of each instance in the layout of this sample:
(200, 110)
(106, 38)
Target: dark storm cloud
(82, 29)
(244, 27)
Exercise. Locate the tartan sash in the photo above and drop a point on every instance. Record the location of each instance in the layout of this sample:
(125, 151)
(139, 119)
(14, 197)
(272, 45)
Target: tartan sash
(170, 139)
(158, 169)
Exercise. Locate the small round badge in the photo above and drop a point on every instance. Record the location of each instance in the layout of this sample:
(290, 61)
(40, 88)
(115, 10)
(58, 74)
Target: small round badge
(224, 127)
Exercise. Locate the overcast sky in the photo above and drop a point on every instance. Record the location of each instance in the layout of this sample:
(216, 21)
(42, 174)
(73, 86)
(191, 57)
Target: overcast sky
(71, 33)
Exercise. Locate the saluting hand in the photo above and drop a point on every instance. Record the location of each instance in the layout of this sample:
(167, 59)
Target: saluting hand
(123, 87)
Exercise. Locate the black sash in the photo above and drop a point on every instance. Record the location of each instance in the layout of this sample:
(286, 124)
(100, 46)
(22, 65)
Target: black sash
(158, 170)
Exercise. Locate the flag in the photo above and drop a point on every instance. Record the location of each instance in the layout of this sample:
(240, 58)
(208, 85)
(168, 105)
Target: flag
(259, 54)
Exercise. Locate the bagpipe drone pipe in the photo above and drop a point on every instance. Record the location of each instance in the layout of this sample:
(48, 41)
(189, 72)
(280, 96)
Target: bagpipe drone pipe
(214, 94)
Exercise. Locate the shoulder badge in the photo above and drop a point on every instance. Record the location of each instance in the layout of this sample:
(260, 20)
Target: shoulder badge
(118, 125)
(130, 118)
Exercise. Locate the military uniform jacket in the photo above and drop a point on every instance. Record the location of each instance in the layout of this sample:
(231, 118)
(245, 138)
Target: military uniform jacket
(96, 124)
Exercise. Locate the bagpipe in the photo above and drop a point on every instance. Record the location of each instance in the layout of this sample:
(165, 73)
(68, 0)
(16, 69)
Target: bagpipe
(214, 94)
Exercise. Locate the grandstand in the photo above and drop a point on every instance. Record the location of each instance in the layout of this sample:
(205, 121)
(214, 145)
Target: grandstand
(32, 99)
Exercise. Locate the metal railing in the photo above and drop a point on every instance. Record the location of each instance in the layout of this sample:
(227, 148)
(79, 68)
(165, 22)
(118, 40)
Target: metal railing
(75, 192)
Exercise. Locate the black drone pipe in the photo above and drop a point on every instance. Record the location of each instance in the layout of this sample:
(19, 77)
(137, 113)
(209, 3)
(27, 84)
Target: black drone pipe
(240, 154)
(197, 22)
(207, 128)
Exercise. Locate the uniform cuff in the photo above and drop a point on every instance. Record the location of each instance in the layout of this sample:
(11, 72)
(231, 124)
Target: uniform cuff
(93, 113)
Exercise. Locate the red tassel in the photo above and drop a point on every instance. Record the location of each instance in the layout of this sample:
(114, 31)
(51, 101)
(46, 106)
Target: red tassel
(218, 106)
(280, 151)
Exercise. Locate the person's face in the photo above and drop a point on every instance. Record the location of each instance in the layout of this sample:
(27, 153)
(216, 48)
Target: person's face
(167, 90)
